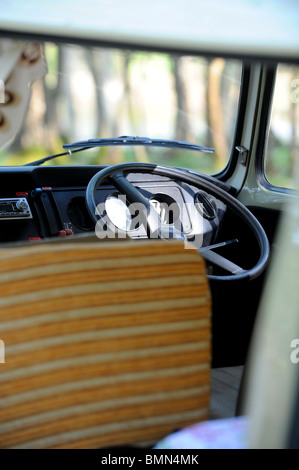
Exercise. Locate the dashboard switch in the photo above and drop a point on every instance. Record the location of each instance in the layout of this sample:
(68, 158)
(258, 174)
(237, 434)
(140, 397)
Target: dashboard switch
(21, 205)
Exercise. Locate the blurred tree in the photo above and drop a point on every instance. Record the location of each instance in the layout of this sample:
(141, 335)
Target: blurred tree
(215, 111)
(294, 142)
(51, 93)
(98, 63)
(182, 125)
(139, 152)
(209, 137)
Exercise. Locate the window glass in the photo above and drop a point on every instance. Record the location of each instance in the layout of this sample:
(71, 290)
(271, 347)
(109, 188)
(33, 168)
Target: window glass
(95, 92)
(283, 143)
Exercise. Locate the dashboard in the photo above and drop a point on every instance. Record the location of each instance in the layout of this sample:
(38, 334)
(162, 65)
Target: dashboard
(44, 202)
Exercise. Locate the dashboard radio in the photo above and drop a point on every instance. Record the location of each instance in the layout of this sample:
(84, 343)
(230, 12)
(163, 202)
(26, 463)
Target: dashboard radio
(14, 208)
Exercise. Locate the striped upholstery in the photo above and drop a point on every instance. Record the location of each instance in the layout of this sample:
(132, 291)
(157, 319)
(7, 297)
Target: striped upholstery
(105, 343)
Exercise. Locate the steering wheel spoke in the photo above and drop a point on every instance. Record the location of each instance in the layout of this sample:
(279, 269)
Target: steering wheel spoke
(222, 262)
(150, 218)
(132, 193)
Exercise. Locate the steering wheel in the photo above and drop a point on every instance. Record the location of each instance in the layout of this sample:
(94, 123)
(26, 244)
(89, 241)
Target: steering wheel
(116, 174)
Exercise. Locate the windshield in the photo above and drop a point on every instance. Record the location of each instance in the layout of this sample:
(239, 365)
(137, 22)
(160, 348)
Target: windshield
(89, 93)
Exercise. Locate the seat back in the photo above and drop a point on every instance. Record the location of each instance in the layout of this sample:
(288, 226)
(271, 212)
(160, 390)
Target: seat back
(105, 343)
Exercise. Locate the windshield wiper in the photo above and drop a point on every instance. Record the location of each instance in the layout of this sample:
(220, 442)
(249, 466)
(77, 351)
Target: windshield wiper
(124, 140)
(50, 157)
(128, 140)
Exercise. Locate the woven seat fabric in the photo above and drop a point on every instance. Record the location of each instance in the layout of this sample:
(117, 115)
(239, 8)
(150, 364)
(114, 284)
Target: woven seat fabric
(105, 344)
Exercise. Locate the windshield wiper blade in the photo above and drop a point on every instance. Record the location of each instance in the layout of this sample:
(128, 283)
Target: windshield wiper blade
(128, 140)
(123, 140)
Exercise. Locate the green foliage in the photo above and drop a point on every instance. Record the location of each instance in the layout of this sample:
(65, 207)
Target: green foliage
(51, 55)
(279, 166)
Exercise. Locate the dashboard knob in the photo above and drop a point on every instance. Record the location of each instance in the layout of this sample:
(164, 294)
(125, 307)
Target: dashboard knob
(206, 205)
(22, 205)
